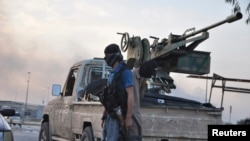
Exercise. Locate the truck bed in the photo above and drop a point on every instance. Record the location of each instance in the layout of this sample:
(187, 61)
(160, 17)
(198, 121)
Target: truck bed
(173, 118)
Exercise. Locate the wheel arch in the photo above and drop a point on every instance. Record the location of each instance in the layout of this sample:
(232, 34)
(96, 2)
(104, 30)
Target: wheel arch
(45, 118)
(87, 132)
(86, 124)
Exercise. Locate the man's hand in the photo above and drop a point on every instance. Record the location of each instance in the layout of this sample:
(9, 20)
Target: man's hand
(128, 122)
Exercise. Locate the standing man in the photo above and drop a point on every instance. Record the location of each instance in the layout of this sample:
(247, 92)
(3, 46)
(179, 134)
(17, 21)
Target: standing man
(119, 95)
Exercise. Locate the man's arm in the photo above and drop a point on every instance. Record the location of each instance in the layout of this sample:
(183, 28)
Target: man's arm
(130, 105)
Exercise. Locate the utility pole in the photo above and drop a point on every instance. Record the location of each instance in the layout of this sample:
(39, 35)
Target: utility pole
(230, 113)
(46, 91)
(43, 102)
(48, 96)
(206, 90)
(27, 92)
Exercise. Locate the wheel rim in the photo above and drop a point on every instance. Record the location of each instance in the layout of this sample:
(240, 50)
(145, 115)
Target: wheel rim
(125, 42)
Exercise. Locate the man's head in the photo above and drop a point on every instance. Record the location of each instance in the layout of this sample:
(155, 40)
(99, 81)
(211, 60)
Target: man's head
(112, 54)
(148, 69)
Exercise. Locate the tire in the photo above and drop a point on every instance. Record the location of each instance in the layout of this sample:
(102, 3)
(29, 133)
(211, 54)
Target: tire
(44, 132)
(87, 134)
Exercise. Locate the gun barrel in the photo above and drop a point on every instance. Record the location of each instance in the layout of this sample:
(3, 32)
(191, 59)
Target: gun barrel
(229, 19)
(234, 17)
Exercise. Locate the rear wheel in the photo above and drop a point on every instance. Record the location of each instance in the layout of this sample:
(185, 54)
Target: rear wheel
(44, 132)
(87, 134)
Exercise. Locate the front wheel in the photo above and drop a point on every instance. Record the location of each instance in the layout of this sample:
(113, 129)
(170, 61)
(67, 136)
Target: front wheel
(44, 132)
(87, 134)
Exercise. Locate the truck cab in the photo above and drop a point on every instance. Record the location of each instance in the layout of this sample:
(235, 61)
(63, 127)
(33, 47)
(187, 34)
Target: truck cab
(62, 115)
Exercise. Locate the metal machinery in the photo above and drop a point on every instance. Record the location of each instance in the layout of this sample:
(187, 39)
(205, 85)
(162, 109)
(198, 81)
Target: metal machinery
(173, 54)
(223, 86)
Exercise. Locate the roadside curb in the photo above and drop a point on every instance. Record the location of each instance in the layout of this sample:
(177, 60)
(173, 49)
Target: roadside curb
(31, 123)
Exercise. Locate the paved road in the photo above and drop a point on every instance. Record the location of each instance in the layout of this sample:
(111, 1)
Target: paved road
(26, 133)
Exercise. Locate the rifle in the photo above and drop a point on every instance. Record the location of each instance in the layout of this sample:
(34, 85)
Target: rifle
(123, 133)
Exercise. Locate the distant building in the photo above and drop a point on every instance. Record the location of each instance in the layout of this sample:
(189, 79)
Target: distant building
(27, 111)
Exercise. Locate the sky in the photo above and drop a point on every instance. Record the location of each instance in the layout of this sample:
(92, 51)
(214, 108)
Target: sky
(41, 39)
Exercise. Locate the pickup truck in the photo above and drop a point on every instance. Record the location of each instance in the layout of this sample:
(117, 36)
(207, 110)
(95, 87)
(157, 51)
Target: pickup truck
(16, 120)
(75, 115)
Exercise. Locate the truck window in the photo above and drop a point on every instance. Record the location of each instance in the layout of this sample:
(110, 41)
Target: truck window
(71, 81)
(93, 73)
(96, 73)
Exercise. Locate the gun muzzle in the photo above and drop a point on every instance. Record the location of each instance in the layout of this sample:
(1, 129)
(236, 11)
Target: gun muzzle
(234, 17)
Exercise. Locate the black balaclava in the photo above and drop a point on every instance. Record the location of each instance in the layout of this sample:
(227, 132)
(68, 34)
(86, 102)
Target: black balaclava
(112, 54)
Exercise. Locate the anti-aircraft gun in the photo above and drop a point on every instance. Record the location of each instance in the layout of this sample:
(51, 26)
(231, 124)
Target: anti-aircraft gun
(173, 54)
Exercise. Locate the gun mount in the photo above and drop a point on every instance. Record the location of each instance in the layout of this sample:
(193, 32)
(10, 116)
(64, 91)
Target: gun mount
(223, 86)
(173, 54)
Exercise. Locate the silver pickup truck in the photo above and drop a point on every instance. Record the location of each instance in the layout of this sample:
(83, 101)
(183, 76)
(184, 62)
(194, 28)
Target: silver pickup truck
(75, 115)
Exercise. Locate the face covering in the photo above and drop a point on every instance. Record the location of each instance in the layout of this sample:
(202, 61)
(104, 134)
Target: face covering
(110, 59)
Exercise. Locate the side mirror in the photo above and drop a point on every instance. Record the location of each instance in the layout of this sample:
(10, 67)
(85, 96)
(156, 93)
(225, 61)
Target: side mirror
(56, 90)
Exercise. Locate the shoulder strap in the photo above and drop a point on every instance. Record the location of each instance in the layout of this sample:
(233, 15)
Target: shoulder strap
(118, 74)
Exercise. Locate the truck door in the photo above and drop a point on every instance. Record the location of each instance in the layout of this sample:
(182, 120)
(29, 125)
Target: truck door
(65, 112)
